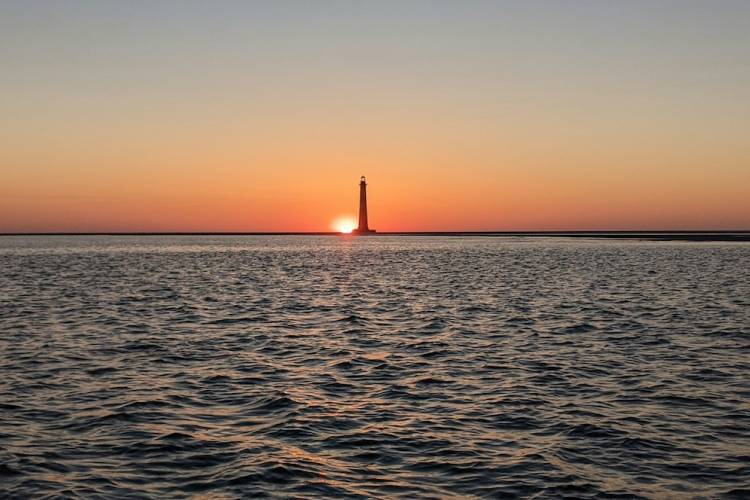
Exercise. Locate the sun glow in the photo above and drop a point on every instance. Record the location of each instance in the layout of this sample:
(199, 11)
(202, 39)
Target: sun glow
(344, 224)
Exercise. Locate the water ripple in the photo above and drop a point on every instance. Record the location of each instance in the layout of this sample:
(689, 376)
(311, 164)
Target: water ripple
(373, 367)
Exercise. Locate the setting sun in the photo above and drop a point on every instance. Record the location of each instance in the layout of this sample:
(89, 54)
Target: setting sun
(344, 224)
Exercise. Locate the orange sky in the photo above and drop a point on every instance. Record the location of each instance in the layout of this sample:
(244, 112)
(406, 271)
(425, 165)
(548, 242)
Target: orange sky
(263, 120)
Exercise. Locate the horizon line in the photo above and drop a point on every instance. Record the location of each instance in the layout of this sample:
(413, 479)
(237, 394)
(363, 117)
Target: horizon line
(690, 234)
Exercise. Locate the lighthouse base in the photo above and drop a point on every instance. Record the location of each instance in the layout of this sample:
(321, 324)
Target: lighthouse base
(363, 232)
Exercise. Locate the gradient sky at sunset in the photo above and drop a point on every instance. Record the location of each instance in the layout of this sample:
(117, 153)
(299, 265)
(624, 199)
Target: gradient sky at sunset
(463, 115)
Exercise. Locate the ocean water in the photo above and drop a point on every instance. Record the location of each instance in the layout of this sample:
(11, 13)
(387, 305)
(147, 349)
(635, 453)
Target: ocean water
(413, 367)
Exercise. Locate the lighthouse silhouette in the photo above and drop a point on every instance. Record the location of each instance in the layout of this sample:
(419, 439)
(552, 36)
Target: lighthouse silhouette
(363, 228)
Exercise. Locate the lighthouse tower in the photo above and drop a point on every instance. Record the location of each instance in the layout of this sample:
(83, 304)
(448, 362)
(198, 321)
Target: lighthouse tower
(363, 228)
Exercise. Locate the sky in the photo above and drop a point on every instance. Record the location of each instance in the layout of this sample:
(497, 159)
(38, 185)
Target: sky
(471, 115)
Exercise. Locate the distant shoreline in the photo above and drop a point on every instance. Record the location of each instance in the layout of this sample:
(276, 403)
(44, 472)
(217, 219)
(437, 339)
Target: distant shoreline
(637, 235)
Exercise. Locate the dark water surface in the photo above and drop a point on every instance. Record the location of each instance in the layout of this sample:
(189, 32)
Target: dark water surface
(383, 366)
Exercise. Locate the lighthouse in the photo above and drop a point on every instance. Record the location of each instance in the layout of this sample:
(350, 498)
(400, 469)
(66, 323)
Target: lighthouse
(363, 227)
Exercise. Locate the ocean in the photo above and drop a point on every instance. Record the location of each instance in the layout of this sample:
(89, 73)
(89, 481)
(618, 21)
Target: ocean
(387, 366)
